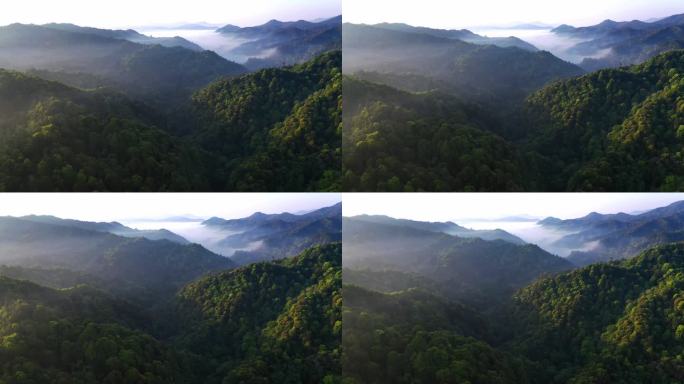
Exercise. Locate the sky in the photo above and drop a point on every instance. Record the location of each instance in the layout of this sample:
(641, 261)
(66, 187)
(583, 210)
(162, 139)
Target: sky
(468, 206)
(138, 206)
(136, 13)
(461, 13)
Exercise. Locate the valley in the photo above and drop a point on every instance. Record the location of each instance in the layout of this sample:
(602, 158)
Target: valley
(92, 109)
(424, 305)
(440, 110)
(84, 301)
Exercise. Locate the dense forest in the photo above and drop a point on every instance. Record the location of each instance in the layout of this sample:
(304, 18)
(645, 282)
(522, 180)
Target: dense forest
(103, 110)
(616, 322)
(266, 322)
(425, 110)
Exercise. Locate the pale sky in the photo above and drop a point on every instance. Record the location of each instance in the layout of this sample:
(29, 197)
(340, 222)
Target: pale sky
(455, 14)
(133, 206)
(136, 13)
(459, 206)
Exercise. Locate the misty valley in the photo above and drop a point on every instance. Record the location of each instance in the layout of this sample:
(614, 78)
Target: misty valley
(431, 109)
(88, 109)
(436, 302)
(104, 302)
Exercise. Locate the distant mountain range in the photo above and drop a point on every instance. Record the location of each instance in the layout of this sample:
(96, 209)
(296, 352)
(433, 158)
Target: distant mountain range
(129, 35)
(617, 44)
(470, 70)
(179, 335)
(277, 43)
(470, 269)
(156, 136)
(460, 34)
(113, 228)
(124, 60)
(139, 265)
(276, 236)
(448, 227)
(618, 236)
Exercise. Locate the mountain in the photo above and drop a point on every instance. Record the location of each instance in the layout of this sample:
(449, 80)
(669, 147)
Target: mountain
(57, 138)
(616, 322)
(449, 228)
(279, 321)
(155, 268)
(615, 44)
(155, 73)
(278, 43)
(78, 335)
(277, 129)
(472, 268)
(129, 35)
(274, 322)
(113, 228)
(280, 235)
(460, 34)
(398, 141)
(616, 129)
(413, 336)
(236, 135)
(459, 66)
(600, 238)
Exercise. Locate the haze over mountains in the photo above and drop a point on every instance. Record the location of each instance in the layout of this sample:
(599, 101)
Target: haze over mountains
(422, 306)
(129, 305)
(441, 110)
(122, 111)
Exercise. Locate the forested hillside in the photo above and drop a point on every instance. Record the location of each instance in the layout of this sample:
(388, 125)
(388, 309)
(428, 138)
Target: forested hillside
(616, 129)
(268, 322)
(277, 129)
(402, 142)
(427, 111)
(271, 130)
(618, 322)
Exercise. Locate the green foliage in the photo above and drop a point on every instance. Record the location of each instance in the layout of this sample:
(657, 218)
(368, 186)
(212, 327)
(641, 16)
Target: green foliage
(268, 322)
(264, 323)
(277, 129)
(613, 130)
(615, 322)
(414, 337)
(75, 336)
(56, 138)
(401, 142)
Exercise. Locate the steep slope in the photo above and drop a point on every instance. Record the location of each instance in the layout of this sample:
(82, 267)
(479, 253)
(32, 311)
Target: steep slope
(77, 335)
(617, 129)
(415, 337)
(398, 141)
(57, 138)
(277, 129)
(276, 322)
(618, 322)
